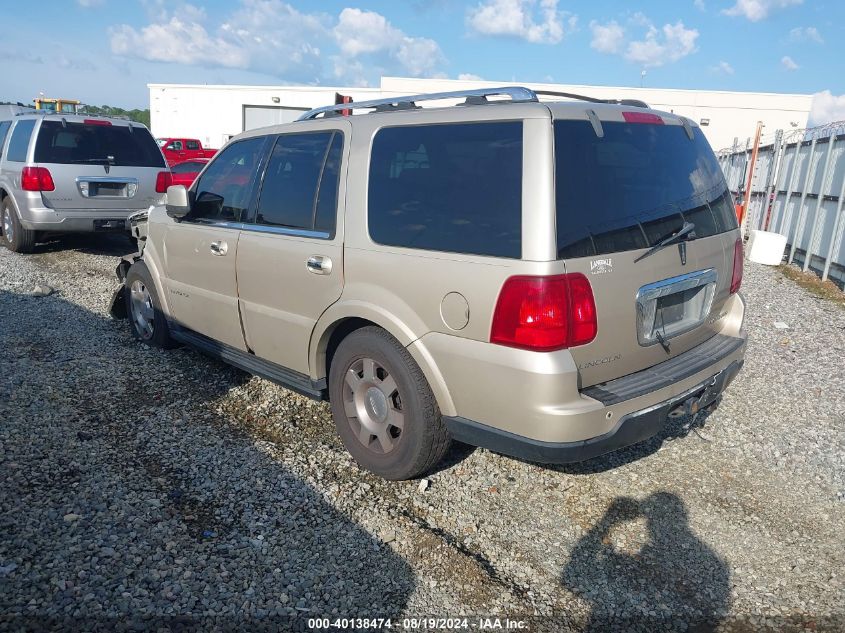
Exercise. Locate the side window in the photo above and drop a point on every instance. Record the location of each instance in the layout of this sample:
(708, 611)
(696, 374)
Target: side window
(300, 184)
(19, 142)
(4, 130)
(192, 145)
(326, 217)
(224, 191)
(455, 187)
(175, 146)
(186, 168)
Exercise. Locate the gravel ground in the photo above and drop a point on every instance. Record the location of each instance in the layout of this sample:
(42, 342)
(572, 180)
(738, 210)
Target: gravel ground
(146, 484)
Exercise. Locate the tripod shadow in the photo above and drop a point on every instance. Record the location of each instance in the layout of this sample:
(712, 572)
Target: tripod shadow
(674, 581)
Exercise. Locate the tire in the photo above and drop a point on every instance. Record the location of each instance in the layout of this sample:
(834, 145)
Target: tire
(374, 379)
(143, 308)
(21, 240)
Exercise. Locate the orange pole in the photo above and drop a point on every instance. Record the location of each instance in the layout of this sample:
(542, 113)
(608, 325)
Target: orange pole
(747, 200)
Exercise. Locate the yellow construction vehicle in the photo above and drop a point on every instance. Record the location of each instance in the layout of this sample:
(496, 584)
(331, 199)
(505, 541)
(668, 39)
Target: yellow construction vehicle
(66, 106)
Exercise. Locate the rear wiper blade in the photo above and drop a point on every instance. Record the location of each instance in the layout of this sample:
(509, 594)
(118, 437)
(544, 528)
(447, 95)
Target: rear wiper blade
(94, 161)
(686, 232)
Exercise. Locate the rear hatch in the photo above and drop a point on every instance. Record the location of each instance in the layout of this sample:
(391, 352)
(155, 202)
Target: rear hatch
(624, 184)
(97, 164)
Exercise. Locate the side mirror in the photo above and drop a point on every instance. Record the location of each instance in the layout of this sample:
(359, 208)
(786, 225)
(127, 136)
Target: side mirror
(178, 205)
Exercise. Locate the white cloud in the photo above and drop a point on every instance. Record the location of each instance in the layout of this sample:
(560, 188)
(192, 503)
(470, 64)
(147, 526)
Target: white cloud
(657, 47)
(273, 37)
(469, 77)
(827, 108)
(88, 4)
(722, 68)
(756, 10)
(607, 38)
(176, 41)
(668, 44)
(371, 34)
(788, 63)
(699, 4)
(522, 19)
(806, 33)
(360, 32)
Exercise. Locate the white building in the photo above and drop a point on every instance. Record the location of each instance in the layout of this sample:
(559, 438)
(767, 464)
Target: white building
(213, 114)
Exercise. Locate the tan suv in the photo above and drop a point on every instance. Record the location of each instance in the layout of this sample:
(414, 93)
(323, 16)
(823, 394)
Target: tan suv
(550, 280)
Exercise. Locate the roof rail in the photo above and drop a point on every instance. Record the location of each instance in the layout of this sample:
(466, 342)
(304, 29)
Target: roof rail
(119, 117)
(473, 97)
(571, 95)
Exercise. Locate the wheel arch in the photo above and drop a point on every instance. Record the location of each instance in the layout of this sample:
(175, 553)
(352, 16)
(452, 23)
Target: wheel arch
(332, 328)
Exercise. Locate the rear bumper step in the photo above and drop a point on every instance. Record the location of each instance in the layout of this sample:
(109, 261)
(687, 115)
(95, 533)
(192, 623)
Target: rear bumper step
(631, 429)
(666, 373)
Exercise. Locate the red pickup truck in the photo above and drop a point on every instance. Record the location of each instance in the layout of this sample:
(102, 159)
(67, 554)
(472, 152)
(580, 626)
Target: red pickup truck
(177, 150)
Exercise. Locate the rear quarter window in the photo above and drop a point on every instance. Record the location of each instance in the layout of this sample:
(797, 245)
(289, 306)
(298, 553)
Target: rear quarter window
(4, 130)
(80, 143)
(453, 187)
(19, 142)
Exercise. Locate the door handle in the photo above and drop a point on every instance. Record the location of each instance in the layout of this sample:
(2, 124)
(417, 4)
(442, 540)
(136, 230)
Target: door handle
(219, 248)
(319, 264)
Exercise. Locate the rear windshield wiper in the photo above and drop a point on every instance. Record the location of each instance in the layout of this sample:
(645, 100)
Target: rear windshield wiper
(686, 232)
(95, 161)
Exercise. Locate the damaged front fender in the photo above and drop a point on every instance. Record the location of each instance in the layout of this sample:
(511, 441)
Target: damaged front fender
(117, 307)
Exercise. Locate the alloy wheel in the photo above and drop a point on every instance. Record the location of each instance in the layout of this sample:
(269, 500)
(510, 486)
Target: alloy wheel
(141, 306)
(8, 229)
(373, 405)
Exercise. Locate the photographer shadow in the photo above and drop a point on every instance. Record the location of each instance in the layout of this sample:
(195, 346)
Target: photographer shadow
(673, 582)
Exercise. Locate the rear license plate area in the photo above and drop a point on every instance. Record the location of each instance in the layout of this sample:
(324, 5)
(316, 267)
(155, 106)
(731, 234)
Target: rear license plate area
(109, 224)
(674, 306)
(110, 189)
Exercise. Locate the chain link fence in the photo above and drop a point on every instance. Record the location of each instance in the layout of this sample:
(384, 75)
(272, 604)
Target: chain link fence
(797, 190)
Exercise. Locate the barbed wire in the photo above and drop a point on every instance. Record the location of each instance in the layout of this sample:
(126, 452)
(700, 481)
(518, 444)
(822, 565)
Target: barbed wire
(795, 135)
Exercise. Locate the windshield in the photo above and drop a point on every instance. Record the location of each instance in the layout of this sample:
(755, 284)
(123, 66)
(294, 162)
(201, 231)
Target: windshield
(64, 142)
(631, 188)
(161, 141)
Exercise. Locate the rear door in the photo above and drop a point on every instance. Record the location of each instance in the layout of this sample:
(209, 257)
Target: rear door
(619, 195)
(200, 252)
(98, 165)
(290, 257)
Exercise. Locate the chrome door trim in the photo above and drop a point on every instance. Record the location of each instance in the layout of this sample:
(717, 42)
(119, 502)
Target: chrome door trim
(280, 230)
(260, 228)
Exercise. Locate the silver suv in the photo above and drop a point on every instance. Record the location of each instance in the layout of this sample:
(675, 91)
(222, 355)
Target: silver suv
(65, 173)
(550, 280)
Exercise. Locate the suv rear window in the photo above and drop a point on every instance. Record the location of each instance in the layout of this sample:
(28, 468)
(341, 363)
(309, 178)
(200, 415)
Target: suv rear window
(452, 187)
(634, 187)
(72, 143)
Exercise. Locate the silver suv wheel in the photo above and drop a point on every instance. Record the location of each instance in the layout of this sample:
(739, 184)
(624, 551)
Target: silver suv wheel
(373, 405)
(8, 229)
(141, 308)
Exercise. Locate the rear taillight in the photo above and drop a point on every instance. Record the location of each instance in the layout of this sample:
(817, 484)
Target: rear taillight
(642, 117)
(163, 181)
(736, 277)
(545, 313)
(36, 179)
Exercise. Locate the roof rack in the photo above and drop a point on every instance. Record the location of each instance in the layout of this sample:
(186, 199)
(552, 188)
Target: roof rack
(119, 117)
(473, 97)
(477, 96)
(571, 95)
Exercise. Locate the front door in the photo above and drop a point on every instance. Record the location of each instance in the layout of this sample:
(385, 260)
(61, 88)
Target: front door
(200, 252)
(290, 258)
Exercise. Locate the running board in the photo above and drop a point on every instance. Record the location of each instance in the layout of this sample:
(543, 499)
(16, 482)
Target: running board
(250, 363)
